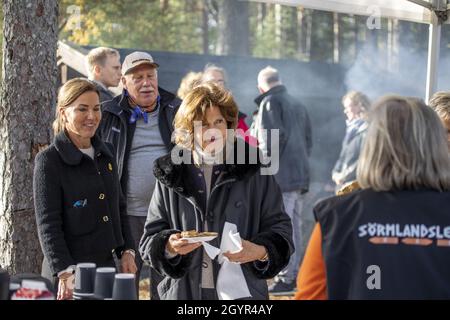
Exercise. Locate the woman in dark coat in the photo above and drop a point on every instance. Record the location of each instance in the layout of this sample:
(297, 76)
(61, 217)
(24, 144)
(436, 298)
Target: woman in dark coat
(79, 210)
(196, 190)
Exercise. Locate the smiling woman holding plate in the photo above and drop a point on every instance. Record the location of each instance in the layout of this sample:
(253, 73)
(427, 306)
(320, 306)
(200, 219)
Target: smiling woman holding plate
(209, 184)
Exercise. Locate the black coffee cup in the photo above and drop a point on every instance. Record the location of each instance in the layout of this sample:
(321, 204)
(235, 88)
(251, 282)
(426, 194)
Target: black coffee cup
(84, 281)
(4, 284)
(104, 283)
(124, 287)
(13, 287)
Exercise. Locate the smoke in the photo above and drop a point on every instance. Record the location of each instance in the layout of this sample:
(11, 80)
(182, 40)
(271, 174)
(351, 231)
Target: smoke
(404, 73)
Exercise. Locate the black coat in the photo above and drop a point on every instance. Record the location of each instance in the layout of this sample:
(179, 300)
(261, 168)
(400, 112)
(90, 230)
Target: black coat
(243, 196)
(80, 214)
(105, 94)
(279, 110)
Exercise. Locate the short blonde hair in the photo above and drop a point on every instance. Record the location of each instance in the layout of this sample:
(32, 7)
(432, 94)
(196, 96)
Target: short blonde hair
(98, 56)
(405, 148)
(194, 106)
(189, 81)
(358, 98)
(67, 94)
(440, 102)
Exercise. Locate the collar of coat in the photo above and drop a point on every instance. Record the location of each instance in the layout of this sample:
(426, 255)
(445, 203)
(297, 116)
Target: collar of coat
(277, 89)
(171, 174)
(120, 104)
(71, 155)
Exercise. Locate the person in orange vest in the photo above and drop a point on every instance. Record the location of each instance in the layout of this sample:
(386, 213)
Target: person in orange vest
(389, 239)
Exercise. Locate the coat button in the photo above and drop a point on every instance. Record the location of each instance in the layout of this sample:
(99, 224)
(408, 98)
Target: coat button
(105, 218)
(101, 196)
(238, 204)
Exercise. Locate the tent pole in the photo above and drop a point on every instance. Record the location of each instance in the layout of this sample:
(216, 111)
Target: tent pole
(433, 55)
(422, 3)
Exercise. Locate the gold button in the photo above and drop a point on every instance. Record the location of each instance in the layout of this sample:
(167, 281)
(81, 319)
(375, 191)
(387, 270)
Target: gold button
(110, 167)
(105, 218)
(101, 196)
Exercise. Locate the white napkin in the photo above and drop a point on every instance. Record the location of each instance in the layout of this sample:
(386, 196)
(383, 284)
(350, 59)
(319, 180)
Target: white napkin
(230, 273)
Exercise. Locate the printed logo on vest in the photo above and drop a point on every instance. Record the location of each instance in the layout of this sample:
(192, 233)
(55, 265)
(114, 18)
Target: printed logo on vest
(408, 234)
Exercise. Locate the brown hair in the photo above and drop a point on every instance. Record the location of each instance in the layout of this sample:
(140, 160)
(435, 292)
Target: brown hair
(67, 94)
(194, 108)
(405, 148)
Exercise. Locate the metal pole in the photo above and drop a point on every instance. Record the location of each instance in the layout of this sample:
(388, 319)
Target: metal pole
(433, 55)
(422, 3)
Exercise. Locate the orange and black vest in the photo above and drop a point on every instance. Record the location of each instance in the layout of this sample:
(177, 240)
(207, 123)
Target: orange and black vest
(386, 245)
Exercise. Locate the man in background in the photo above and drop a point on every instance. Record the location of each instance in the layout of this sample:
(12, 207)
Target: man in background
(279, 110)
(103, 65)
(139, 123)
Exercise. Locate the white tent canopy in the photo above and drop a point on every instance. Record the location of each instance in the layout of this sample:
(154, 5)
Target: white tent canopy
(421, 11)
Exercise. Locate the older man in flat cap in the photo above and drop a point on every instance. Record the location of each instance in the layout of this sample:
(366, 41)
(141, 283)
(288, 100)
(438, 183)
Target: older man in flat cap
(139, 123)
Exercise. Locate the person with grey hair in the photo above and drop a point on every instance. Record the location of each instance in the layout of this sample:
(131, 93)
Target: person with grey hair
(139, 123)
(103, 67)
(281, 111)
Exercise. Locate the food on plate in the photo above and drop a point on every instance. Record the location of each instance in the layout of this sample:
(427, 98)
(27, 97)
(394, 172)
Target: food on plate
(195, 234)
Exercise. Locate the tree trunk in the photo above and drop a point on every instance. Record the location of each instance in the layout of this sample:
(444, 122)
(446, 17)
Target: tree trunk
(233, 28)
(336, 45)
(278, 31)
(392, 45)
(305, 34)
(205, 27)
(27, 103)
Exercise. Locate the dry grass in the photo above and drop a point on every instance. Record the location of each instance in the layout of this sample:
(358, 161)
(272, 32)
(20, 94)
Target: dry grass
(144, 293)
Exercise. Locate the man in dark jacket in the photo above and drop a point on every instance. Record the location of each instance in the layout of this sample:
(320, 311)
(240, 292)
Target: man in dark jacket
(103, 66)
(139, 123)
(289, 159)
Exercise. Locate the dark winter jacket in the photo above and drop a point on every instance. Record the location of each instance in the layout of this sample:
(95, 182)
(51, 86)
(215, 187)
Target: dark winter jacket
(105, 94)
(79, 212)
(241, 196)
(279, 110)
(116, 129)
(348, 158)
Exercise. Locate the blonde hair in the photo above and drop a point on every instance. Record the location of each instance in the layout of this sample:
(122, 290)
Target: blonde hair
(67, 94)
(189, 81)
(98, 56)
(405, 148)
(358, 98)
(440, 102)
(194, 106)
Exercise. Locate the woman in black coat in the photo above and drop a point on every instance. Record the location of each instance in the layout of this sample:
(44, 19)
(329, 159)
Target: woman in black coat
(202, 192)
(80, 214)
